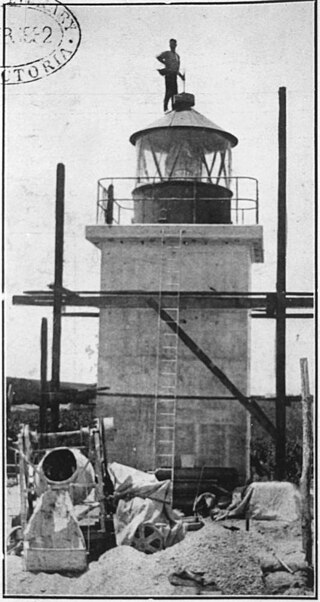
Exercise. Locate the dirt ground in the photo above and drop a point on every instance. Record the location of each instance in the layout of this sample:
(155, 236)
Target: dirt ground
(230, 560)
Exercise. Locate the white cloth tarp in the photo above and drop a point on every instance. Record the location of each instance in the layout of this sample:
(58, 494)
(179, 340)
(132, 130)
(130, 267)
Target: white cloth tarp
(271, 500)
(143, 499)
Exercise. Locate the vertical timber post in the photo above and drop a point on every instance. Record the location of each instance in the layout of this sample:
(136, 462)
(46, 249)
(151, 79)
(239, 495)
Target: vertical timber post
(57, 294)
(280, 472)
(307, 444)
(43, 376)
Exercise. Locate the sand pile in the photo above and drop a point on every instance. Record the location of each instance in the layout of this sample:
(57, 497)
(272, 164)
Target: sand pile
(224, 551)
(230, 558)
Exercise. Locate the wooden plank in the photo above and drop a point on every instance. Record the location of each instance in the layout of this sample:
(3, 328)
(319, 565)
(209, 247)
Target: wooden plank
(131, 299)
(248, 403)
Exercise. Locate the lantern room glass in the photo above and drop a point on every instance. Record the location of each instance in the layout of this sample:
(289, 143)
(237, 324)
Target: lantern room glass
(183, 154)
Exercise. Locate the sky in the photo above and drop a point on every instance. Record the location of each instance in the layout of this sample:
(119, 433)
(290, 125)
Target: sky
(236, 56)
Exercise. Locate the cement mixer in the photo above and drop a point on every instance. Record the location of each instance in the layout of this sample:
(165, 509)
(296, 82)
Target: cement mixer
(63, 495)
(65, 468)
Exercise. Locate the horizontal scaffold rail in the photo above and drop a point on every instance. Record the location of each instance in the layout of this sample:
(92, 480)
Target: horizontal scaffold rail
(265, 303)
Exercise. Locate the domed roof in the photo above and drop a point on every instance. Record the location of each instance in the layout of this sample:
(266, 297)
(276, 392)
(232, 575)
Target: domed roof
(189, 118)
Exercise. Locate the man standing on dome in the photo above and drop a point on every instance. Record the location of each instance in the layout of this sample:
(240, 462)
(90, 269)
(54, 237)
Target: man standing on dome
(171, 60)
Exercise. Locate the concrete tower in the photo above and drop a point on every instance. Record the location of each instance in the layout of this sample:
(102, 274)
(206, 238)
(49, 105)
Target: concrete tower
(193, 234)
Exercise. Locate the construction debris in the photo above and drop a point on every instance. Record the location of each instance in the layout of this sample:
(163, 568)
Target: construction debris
(270, 500)
(144, 516)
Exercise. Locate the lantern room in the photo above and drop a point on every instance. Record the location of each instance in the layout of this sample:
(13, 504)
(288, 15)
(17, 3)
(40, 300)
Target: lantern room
(183, 168)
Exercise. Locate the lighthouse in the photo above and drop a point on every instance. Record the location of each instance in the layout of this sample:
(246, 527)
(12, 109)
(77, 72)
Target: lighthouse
(168, 271)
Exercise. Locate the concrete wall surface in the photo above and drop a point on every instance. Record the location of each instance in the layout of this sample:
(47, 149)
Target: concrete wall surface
(128, 356)
(208, 257)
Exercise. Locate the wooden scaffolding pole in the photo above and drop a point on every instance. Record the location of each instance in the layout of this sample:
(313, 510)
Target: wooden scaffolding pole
(57, 293)
(306, 476)
(43, 376)
(280, 456)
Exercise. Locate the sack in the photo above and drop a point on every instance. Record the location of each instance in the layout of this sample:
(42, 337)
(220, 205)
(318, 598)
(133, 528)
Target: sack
(164, 71)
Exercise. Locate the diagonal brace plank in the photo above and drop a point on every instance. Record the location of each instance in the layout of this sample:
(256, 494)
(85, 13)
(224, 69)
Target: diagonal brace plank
(248, 403)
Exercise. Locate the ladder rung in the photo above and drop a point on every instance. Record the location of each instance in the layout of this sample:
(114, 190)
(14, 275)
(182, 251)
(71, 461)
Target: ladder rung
(172, 319)
(167, 373)
(159, 455)
(166, 401)
(171, 359)
(167, 387)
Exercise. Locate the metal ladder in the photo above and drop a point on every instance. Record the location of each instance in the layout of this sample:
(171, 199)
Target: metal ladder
(167, 354)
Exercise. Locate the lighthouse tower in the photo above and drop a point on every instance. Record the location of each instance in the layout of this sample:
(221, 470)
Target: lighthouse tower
(167, 274)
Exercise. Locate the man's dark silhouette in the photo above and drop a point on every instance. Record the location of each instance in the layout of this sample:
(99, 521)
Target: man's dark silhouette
(171, 60)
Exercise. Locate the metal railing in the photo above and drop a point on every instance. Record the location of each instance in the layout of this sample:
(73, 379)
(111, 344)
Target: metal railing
(115, 204)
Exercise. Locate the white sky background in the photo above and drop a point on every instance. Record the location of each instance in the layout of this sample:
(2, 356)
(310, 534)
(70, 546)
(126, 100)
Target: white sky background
(236, 58)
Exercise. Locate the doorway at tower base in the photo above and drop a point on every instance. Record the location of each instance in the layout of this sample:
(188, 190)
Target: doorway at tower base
(189, 483)
(182, 202)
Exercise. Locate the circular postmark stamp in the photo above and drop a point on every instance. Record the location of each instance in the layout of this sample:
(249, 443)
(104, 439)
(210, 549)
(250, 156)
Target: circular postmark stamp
(40, 38)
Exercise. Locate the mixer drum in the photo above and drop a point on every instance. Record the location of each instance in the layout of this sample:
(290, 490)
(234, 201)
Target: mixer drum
(67, 468)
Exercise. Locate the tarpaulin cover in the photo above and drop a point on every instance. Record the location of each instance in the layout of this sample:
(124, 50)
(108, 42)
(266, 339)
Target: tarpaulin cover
(271, 500)
(143, 499)
(128, 482)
